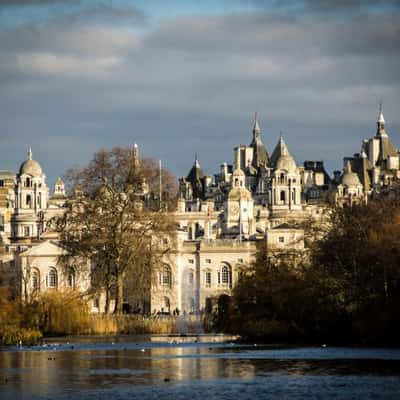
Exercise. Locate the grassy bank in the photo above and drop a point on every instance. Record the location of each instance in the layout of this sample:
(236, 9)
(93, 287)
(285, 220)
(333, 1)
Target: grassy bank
(137, 324)
(62, 313)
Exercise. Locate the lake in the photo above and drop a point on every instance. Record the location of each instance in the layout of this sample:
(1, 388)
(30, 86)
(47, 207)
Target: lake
(204, 367)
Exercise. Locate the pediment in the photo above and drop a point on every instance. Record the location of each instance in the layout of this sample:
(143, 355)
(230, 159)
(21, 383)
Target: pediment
(47, 248)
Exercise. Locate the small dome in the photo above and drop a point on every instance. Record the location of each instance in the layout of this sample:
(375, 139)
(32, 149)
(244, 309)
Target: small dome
(30, 167)
(350, 178)
(286, 162)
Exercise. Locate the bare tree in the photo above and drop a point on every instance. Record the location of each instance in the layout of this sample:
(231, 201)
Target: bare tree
(118, 221)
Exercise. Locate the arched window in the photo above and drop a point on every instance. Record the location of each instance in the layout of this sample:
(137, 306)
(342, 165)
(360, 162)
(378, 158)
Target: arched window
(71, 278)
(225, 276)
(166, 276)
(52, 278)
(35, 280)
(283, 196)
(28, 200)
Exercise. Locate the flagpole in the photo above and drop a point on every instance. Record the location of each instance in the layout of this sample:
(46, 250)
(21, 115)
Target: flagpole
(240, 220)
(160, 185)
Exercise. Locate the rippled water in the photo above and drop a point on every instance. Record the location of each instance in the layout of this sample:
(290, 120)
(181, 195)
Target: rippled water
(155, 367)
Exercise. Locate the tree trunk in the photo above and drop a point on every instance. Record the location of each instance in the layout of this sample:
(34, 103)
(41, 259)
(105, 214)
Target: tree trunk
(107, 302)
(119, 294)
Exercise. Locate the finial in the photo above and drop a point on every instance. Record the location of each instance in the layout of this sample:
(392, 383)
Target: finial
(30, 153)
(381, 120)
(256, 128)
(196, 160)
(347, 168)
(135, 145)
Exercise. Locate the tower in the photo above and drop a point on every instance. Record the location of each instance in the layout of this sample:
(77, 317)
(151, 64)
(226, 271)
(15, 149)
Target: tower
(285, 193)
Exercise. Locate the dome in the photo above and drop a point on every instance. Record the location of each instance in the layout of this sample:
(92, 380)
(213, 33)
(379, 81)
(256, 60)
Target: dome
(30, 167)
(349, 177)
(286, 163)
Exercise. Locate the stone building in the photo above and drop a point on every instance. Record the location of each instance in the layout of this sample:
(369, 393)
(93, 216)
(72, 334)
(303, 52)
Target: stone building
(375, 168)
(262, 196)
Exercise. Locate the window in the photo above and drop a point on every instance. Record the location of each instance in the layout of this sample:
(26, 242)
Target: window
(27, 182)
(240, 260)
(166, 276)
(35, 280)
(52, 278)
(191, 261)
(225, 276)
(208, 260)
(190, 277)
(281, 239)
(283, 197)
(1, 183)
(71, 278)
(208, 279)
(27, 231)
(28, 200)
(191, 305)
(167, 305)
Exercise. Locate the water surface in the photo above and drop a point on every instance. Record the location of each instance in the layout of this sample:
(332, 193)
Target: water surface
(205, 367)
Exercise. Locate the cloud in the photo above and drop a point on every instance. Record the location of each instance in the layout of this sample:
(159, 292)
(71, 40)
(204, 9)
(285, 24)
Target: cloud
(193, 83)
(23, 3)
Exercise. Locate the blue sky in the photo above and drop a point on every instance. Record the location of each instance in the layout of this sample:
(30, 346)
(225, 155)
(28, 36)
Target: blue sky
(180, 77)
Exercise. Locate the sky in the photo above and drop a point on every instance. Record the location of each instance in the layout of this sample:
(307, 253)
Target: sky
(185, 77)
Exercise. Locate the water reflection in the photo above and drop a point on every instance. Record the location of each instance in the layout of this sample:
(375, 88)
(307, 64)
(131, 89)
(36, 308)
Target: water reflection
(150, 368)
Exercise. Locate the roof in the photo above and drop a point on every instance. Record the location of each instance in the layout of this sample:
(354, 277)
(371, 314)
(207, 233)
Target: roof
(195, 177)
(317, 166)
(361, 165)
(47, 248)
(195, 173)
(280, 150)
(30, 166)
(260, 154)
(349, 177)
(6, 174)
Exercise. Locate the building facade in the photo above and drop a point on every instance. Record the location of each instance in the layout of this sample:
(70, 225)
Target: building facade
(262, 196)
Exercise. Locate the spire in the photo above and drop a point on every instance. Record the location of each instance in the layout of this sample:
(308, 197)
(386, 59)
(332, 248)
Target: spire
(260, 154)
(256, 128)
(380, 132)
(279, 151)
(282, 145)
(381, 120)
(196, 161)
(30, 153)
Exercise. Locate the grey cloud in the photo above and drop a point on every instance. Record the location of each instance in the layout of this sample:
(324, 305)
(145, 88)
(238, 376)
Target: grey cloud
(193, 84)
(328, 7)
(22, 3)
(102, 13)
